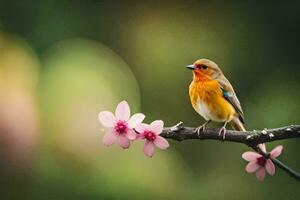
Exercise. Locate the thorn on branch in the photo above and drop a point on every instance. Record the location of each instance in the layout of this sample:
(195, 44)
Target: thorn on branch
(177, 127)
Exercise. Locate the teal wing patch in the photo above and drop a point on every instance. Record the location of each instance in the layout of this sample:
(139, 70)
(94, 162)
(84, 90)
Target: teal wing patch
(226, 93)
(232, 98)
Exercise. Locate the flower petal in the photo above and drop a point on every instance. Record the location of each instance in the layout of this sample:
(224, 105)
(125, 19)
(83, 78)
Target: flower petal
(136, 119)
(109, 138)
(123, 111)
(276, 151)
(141, 128)
(140, 136)
(124, 142)
(157, 126)
(161, 142)
(252, 167)
(250, 156)
(107, 119)
(149, 149)
(263, 147)
(131, 135)
(270, 167)
(260, 174)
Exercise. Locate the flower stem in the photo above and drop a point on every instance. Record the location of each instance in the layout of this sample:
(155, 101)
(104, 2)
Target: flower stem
(278, 163)
(287, 169)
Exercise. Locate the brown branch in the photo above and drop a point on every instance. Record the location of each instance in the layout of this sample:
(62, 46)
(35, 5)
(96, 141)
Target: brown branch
(250, 138)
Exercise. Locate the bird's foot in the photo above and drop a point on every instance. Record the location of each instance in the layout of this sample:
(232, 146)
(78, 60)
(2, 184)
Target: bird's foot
(222, 132)
(200, 129)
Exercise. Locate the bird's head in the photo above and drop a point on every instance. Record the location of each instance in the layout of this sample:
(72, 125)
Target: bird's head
(204, 69)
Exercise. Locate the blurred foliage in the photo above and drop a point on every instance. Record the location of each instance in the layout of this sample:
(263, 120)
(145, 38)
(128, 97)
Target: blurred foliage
(61, 62)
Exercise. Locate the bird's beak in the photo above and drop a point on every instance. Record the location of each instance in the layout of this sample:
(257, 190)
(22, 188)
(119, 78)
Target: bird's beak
(191, 67)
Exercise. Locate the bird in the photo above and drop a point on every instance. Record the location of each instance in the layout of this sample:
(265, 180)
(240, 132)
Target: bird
(213, 97)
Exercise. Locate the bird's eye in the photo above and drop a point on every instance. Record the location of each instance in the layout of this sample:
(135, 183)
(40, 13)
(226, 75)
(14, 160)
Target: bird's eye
(204, 67)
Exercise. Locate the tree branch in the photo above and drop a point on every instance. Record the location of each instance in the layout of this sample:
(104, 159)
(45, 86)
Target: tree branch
(249, 138)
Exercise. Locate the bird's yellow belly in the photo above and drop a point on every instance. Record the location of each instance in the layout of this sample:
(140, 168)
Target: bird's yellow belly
(207, 99)
(217, 110)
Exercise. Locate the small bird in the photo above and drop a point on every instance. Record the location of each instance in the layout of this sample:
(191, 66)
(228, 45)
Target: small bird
(213, 97)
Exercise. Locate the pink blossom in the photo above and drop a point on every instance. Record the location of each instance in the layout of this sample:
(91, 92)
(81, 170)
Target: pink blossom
(259, 164)
(150, 133)
(119, 126)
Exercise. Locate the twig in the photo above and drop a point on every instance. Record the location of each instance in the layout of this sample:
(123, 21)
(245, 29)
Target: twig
(278, 163)
(249, 138)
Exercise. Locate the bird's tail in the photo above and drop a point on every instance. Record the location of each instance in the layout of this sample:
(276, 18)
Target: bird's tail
(236, 124)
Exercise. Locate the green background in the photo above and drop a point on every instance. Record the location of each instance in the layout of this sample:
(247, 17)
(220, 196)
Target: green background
(61, 62)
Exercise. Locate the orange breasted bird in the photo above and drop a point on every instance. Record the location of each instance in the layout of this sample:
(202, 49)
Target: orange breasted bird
(213, 97)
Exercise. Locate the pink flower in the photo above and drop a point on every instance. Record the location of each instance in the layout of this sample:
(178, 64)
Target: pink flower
(150, 133)
(120, 126)
(259, 164)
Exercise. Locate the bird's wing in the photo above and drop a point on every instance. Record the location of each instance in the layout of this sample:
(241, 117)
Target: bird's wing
(229, 95)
